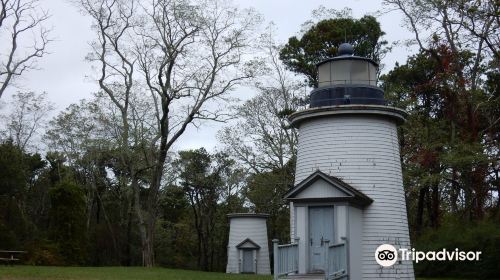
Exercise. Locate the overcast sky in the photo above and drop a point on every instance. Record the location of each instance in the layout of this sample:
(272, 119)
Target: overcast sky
(64, 71)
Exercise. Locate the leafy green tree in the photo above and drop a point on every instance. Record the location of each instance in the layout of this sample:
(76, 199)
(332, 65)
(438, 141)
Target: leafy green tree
(468, 31)
(87, 136)
(67, 221)
(176, 241)
(207, 182)
(446, 144)
(18, 171)
(265, 191)
(322, 39)
(12, 171)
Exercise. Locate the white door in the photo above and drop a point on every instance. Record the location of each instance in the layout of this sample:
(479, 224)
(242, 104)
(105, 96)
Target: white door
(320, 229)
(248, 266)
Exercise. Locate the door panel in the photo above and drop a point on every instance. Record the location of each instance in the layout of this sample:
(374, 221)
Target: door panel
(320, 229)
(248, 262)
(315, 224)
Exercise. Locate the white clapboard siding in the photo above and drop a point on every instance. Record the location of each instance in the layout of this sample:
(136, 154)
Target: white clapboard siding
(355, 216)
(242, 228)
(363, 151)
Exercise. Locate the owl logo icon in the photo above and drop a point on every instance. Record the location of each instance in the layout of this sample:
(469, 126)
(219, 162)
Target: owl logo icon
(386, 255)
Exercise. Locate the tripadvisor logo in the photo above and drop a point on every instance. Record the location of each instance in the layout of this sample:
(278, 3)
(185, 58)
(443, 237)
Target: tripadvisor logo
(387, 255)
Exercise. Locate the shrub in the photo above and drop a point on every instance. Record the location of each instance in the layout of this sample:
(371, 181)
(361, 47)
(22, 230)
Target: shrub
(42, 252)
(483, 236)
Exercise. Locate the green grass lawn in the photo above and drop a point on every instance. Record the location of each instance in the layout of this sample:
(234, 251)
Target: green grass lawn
(121, 273)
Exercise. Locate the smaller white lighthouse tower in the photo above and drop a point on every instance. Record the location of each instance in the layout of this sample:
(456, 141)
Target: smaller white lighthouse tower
(248, 247)
(348, 197)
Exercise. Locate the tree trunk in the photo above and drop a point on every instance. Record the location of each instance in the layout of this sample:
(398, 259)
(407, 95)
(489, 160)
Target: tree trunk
(102, 208)
(151, 226)
(428, 202)
(205, 247)
(435, 207)
(420, 210)
(146, 242)
(128, 261)
(498, 201)
(147, 232)
(468, 198)
(455, 192)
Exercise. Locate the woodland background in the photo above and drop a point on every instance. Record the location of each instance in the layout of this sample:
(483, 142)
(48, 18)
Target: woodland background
(109, 188)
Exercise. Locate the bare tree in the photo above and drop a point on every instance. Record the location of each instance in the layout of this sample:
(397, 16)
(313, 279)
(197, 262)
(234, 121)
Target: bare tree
(263, 140)
(28, 113)
(462, 25)
(20, 22)
(189, 56)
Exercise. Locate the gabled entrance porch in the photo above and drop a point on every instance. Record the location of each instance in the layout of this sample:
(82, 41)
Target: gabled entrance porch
(325, 216)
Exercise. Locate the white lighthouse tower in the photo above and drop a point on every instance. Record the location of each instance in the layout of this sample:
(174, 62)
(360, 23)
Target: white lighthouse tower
(348, 196)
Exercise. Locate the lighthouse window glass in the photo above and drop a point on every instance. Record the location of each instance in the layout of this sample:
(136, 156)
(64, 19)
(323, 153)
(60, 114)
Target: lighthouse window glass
(360, 72)
(341, 72)
(324, 75)
(372, 74)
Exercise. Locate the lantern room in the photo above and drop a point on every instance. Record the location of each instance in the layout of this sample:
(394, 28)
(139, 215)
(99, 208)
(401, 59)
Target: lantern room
(347, 79)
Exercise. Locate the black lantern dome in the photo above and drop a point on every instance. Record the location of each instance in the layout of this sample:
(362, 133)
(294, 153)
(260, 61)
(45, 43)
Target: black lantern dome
(345, 49)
